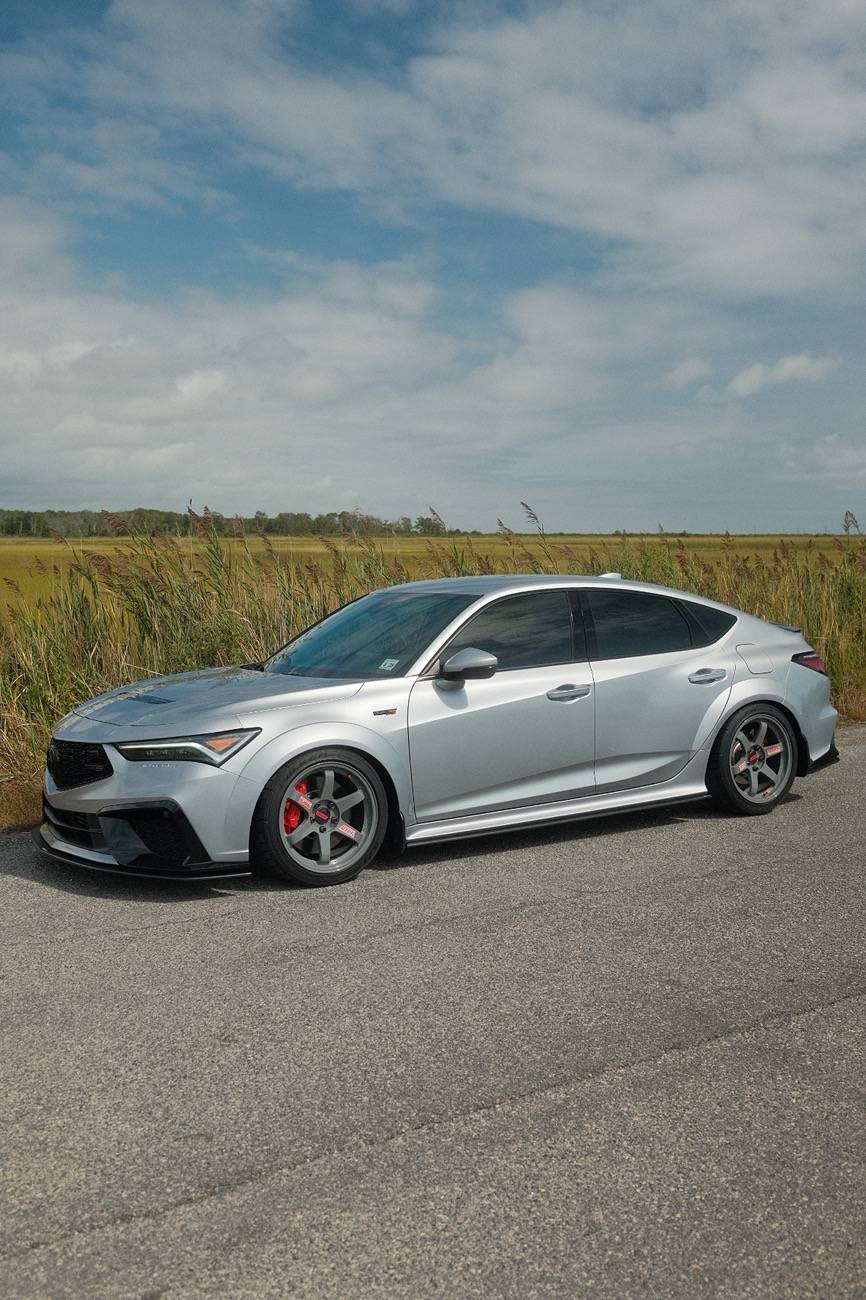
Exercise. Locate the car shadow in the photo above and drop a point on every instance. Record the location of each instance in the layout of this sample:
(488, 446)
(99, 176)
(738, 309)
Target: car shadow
(578, 830)
(31, 866)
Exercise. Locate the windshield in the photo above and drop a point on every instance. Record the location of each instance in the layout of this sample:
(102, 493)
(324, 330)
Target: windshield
(380, 635)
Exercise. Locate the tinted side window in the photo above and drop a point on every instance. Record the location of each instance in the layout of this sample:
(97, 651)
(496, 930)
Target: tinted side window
(708, 625)
(629, 623)
(526, 631)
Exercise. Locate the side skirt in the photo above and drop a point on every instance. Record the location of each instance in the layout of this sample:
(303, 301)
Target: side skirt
(527, 818)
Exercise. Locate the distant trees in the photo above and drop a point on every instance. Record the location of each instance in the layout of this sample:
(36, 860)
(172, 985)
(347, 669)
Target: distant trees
(288, 523)
(40, 523)
(428, 526)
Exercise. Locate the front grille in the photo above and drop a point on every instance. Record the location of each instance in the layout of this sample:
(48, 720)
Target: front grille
(74, 827)
(71, 763)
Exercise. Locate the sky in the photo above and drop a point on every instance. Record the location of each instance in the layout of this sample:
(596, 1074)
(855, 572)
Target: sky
(607, 257)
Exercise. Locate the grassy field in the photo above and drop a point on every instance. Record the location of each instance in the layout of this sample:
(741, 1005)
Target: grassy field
(81, 619)
(30, 565)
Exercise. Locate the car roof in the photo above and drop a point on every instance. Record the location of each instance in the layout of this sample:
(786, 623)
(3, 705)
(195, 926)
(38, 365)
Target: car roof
(489, 583)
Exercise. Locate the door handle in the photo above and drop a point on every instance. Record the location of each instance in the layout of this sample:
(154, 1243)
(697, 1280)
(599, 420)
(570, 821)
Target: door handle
(704, 676)
(568, 692)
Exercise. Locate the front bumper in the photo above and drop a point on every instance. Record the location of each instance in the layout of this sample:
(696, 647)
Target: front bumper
(150, 838)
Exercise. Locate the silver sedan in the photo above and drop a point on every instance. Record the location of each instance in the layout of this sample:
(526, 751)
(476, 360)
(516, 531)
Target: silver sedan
(437, 710)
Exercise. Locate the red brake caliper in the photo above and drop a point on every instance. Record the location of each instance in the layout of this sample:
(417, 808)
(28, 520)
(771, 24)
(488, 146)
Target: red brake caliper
(293, 812)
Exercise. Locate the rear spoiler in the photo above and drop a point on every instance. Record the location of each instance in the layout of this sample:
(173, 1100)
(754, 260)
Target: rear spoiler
(788, 627)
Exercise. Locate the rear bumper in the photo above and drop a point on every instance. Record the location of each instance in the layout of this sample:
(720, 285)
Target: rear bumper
(831, 756)
(150, 838)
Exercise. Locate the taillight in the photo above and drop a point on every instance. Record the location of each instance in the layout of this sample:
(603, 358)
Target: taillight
(809, 659)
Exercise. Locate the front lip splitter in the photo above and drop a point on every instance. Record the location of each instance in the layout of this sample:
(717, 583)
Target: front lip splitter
(141, 869)
(145, 838)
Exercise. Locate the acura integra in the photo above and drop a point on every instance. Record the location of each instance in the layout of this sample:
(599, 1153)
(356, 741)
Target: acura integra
(435, 710)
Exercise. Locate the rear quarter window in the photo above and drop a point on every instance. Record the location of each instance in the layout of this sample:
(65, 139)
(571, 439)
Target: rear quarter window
(708, 625)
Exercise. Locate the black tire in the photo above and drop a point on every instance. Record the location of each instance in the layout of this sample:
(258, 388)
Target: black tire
(753, 778)
(332, 850)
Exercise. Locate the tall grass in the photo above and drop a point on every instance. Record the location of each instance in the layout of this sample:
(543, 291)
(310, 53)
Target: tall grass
(162, 605)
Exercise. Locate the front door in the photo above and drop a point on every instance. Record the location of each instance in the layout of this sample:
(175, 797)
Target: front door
(523, 736)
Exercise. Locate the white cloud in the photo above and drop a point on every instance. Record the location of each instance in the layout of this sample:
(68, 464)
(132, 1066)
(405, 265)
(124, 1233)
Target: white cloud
(719, 146)
(687, 372)
(830, 460)
(31, 245)
(713, 154)
(336, 389)
(753, 378)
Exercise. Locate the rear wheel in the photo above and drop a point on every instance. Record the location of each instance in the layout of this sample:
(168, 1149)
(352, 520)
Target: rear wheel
(321, 819)
(754, 760)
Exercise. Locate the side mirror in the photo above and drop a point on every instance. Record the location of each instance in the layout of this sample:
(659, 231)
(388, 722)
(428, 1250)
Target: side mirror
(469, 664)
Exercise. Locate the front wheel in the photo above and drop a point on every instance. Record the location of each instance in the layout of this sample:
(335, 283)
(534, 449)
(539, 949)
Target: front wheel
(753, 762)
(321, 819)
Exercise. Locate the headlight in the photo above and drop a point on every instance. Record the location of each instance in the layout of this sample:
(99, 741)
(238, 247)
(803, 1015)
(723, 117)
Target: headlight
(213, 749)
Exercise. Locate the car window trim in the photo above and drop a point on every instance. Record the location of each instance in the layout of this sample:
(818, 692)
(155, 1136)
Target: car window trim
(690, 611)
(582, 599)
(693, 623)
(431, 669)
(578, 621)
(592, 639)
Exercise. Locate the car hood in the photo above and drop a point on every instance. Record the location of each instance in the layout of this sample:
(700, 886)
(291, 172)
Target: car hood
(192, 701)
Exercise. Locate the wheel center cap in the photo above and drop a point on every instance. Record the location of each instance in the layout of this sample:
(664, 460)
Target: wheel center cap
(325, 811)
(756, 756)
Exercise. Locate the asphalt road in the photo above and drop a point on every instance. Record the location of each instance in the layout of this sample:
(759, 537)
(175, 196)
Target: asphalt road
(617, 1059)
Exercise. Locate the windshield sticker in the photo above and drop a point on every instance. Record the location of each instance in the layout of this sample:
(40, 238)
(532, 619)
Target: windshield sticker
(387, 665)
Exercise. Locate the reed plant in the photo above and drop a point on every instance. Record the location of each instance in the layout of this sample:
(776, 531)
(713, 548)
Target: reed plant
(160, 605)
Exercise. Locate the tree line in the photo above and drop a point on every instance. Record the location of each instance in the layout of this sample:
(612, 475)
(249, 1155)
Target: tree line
(288, 523)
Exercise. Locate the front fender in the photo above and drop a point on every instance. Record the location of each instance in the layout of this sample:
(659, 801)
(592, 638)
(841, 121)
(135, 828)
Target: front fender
(391, 751)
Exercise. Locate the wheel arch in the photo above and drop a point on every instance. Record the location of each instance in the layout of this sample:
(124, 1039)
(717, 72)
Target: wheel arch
(802, 766)
(374, 748)
(395, 835)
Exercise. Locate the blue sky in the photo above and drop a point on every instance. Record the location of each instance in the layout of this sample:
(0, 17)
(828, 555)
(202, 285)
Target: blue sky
(280, 255)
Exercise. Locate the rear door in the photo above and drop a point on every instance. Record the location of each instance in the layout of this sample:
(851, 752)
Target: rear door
(658, 694)
(523, 736)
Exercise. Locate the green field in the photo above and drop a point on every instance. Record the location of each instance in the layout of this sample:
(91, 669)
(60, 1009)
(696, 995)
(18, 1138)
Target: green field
(30, 565)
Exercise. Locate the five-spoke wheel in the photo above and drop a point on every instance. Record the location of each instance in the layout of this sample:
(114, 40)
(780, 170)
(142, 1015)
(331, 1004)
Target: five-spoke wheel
(321, 819)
